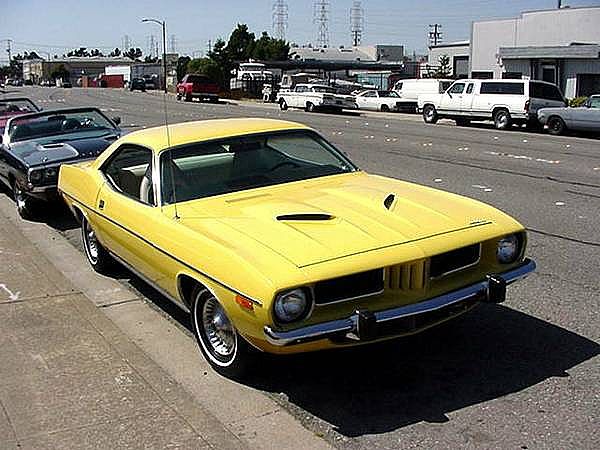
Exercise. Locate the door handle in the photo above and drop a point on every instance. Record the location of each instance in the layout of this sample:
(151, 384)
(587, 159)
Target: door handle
(101, 204)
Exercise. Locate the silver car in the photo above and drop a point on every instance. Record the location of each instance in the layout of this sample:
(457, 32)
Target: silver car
(585, 118)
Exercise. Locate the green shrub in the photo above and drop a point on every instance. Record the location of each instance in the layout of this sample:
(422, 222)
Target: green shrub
(577, 102)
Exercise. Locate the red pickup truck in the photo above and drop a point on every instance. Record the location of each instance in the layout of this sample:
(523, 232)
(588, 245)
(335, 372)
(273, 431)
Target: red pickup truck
(197, 86)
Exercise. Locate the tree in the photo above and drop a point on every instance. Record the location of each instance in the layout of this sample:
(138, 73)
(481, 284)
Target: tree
(182, 64)
(133, 53)
(444, 69)
(115, 53)
(241, 43)
(270, 49)
(60, 72)
(207, 67)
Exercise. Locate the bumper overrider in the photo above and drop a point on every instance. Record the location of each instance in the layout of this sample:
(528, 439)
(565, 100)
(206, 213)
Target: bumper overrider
(365, 325)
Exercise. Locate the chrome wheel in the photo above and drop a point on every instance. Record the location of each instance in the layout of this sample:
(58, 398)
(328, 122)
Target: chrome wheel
(502, 120)
(90, 243)
(429, 114)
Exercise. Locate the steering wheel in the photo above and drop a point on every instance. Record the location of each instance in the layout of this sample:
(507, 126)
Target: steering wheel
(283, 164)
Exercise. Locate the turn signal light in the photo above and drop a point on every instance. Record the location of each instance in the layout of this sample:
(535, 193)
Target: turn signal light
(244, 302)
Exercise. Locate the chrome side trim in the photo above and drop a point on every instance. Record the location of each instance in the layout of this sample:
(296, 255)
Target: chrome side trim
(150, 282)
(349, 324)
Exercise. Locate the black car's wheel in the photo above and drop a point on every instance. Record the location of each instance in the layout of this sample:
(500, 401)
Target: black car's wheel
(25, 204)
(283, 105)
(556, 125)
(98, 257)
(502, 119)
(430, 114)
(225, 350)
(385, 108)
(309, 107)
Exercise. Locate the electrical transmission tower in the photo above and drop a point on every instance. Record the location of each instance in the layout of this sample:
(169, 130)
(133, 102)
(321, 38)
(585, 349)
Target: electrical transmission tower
(280, 19)
(126, 43)
(172, 44)
(435, 35)
(357, 22)
(321, 18)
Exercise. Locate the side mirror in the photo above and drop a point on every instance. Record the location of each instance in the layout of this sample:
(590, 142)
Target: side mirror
(116, 120)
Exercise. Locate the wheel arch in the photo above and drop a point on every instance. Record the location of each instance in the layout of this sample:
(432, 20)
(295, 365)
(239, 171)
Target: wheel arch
(497, 108)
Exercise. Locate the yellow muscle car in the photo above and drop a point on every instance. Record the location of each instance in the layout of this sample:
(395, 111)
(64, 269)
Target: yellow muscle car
(273, 240)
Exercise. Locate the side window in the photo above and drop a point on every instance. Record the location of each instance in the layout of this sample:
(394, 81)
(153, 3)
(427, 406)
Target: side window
(470, 88)
(301, 89)
(457, 88)
(129, 171)
(371, 94)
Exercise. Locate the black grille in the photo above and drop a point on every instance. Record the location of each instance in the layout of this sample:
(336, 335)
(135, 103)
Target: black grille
(350, 286)
(454, 260)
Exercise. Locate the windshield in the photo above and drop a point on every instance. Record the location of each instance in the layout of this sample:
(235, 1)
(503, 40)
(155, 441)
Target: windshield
(323, 89)
(206, 169)
(388, 94)
(55, 123)
(14, 107)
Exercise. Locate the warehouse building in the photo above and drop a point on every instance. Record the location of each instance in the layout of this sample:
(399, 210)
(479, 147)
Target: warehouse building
(561, 46)
(457, 52)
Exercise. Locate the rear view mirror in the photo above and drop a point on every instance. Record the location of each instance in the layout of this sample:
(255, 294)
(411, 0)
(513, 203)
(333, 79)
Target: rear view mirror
(116, 120)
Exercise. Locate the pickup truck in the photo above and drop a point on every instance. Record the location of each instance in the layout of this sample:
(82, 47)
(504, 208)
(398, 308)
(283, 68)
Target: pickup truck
(315, 96)
(197, 86)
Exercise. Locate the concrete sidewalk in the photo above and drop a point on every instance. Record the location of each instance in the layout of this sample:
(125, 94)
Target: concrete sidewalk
(69, 378)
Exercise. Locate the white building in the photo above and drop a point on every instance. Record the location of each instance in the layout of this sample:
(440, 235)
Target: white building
(458, 52)
(559, 45)
(365, 53)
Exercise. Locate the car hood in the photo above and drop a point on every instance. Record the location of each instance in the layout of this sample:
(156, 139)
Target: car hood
(48, 151)
(319, 220)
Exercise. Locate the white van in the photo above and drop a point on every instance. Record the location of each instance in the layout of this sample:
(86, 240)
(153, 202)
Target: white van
(410, 89)
(506, 102)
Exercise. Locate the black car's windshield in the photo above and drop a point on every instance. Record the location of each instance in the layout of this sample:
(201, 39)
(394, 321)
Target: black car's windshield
(10, 107)
(212, 168)
(55, 123)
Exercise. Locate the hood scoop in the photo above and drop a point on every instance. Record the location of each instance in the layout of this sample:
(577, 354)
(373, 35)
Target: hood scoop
(312, 217)
(389, 201)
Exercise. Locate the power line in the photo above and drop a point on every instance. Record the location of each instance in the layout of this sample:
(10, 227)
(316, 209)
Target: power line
(280, 19)
(321, 18)
(357, 22)
(435, 36)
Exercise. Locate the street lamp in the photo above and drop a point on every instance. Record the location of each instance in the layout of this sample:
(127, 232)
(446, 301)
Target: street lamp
(164, 32)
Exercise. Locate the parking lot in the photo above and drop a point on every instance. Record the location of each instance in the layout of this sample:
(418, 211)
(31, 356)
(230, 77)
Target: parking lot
(523, 374)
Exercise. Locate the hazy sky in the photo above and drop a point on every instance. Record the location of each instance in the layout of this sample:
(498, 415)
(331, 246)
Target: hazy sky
(59, 25)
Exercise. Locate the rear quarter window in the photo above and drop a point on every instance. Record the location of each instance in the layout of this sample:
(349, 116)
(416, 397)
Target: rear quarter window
(544, 91)
(502, 88)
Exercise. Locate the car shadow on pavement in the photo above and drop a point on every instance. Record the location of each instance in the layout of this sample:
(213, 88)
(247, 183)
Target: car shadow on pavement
(490, 352)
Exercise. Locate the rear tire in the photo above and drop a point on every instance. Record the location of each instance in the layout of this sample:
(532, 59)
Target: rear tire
(430, 114)
(385, 108)
(309, 107)
(556, 126)
(96, 254)
(283, 105)
(220, 343)
(502, 119)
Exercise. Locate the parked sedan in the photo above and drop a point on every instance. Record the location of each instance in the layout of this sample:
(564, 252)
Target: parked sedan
(379, 100)
(585, 118)
(35, 145)
(272, 239)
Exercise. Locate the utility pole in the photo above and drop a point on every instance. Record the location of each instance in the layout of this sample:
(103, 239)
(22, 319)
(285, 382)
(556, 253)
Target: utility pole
(321, 18)
(209, 47)
(559, 4)
(356, 22)
(435, 36)
(8, 50)
(280, 19)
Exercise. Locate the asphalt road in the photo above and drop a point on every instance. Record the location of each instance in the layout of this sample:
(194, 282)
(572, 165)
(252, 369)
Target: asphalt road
(524, 374)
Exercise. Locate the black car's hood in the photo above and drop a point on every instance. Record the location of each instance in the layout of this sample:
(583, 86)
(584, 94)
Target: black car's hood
(48, 151)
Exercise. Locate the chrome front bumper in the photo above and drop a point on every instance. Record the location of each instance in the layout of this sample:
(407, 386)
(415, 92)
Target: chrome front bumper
(363, 325)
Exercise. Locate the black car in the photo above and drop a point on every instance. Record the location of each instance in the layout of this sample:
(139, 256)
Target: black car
(35, 145)
(137, 84)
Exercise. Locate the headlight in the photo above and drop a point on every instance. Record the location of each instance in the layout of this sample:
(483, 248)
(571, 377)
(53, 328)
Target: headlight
(508, 249)
(50, 173)
(35, 176)
(292, 305)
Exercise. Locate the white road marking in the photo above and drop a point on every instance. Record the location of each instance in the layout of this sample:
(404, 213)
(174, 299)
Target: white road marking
(559, 203)
(437, 180)
(528, 158)
(11, 295)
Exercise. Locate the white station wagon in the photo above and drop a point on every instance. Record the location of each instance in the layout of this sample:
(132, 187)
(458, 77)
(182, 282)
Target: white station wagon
(506, 102)
(312, 97)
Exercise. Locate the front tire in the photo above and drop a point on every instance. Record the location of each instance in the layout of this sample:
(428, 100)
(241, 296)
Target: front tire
(220, 343)
(430, 114)
(502, 119)
(556, 126)
(385, 108)
(310, 107)
(96, 254)
(24, 203)
(283, 105)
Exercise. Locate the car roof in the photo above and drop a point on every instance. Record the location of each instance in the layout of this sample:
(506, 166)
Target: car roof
(205, 130)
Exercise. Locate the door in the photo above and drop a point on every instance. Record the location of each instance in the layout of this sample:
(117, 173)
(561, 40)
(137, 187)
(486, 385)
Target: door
(466, 103)
(588, 116)
(452, 98)
(367, 100)
(127, 210)
(549, 73)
